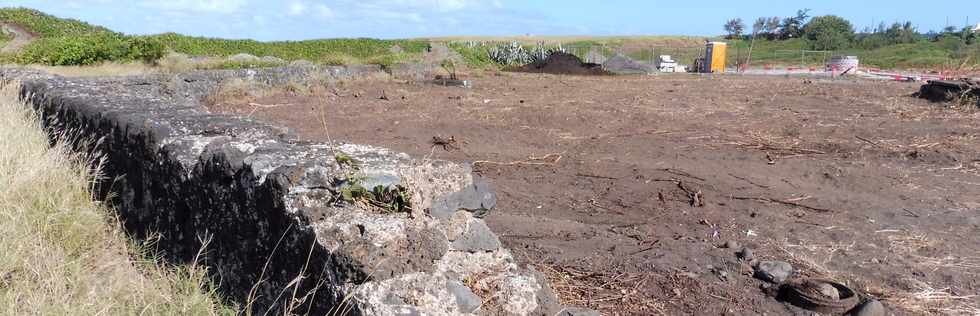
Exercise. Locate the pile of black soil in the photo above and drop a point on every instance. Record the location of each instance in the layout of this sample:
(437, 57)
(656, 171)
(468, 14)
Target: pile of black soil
(965, 90)
(562, 64)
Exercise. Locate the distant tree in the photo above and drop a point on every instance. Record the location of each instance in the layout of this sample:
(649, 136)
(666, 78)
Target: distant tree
(759, 27)
(880, 28)
(969, 36)
(902, 33)
(772, 27)
(829, 32)
(734, 27)
(792, 27)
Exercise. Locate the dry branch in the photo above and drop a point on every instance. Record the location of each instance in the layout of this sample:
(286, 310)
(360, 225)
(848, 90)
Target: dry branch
(546, 160)
(768, 200)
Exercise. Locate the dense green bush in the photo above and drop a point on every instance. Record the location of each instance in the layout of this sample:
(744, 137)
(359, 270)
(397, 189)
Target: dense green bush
(75, 50)
(829, 32)
(473, 55)
(88, 49)
(148, 50)
(312, 50)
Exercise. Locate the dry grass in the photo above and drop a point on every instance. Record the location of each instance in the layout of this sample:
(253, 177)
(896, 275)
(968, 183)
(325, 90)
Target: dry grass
(106, 69)
(923, 299)
(63, 254)
(241, 95)
(815, 257)
(612, 293)
(909, 243)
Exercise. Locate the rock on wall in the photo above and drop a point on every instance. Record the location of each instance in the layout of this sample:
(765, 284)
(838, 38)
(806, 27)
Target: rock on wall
(263, 210)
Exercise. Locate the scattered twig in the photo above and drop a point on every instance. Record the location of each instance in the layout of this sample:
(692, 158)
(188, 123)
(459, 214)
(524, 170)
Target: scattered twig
(546, 160)
(868, 141)
(257, 106)
(594, 176)
(695, 198)
(766, 146)
(749, 181)
(681, 173)
(768, 200)
(642, 250)
(913, 214)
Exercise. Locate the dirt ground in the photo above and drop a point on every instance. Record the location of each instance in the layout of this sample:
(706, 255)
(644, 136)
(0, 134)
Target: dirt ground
(624, 190)
(21, 37)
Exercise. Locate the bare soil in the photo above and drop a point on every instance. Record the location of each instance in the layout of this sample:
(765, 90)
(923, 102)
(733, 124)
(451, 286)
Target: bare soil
(624, 190)
(21, 37)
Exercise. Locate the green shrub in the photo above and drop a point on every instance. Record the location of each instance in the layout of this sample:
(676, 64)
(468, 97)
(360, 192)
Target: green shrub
(829, 32)
(359, 48)
(89, 49)
(149, 50)
(473, 55)
(75, 50)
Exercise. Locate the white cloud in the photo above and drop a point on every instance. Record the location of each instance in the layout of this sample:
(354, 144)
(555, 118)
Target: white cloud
(323, 11)
(296, 8)
(214, 6)
(302, 8)
(438, 5)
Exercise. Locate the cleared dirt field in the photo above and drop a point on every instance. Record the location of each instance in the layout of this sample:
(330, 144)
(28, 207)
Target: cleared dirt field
(626, 189)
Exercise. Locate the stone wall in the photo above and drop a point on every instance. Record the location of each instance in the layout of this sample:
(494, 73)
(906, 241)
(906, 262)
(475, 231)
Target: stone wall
(263, 210)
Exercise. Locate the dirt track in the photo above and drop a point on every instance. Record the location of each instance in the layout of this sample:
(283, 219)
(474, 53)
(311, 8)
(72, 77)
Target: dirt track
(22, 37)
(851, 180)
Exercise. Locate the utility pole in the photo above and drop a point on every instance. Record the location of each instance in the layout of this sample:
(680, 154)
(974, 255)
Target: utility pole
(748, 61)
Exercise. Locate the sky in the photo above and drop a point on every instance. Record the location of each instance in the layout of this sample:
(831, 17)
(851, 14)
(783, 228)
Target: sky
(311, 19)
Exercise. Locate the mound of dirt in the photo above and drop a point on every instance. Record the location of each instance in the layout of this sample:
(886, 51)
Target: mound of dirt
(563, 64)
(622, 64)
(949, 90)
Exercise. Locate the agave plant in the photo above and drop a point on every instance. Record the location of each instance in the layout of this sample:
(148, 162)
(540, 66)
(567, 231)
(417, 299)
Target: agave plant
(516, 54)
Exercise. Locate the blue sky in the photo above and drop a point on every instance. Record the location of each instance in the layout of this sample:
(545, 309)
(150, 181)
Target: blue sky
(306, 19)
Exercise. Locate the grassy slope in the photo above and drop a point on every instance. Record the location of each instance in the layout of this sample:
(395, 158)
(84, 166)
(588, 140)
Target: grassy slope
(45, 25)
(325, 50)
(61, 253)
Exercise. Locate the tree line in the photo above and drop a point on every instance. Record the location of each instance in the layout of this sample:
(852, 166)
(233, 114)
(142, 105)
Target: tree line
(831, 32)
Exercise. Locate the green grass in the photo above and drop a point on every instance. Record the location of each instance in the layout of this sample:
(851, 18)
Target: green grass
(312, 50)
(63, 254)
(919, 55)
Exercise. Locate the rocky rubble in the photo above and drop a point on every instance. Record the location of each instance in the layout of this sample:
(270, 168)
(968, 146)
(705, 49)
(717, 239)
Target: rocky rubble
(265, 212)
